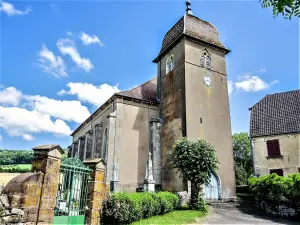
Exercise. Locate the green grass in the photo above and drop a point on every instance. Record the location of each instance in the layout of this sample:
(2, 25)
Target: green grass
(175, 217)
(21, 166)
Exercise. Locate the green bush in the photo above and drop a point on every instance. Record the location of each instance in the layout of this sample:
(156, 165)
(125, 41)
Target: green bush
(276, 190)
(13, 169)
(200, 205)
(125, 208)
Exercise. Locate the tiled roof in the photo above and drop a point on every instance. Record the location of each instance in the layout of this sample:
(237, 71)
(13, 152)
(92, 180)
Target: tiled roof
(194, 27)
(146, 91)
(276, 114)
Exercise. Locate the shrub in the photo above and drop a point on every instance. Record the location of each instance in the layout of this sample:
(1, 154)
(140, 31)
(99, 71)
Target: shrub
(275, 191)
(125, 208)
(200, 205)
(13, 169)
(166, 201)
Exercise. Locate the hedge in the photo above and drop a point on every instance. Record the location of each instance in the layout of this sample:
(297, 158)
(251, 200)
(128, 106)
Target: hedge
(125, 208)
(276, 191)
(13, 169)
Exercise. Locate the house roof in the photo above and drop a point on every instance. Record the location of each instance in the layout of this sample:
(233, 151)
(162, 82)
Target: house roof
(193, 27)
(276, 114)
(145, 92)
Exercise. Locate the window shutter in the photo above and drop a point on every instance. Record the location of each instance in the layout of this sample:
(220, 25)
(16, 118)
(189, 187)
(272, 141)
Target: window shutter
(273, 148)
(276, 148)
(270, 148)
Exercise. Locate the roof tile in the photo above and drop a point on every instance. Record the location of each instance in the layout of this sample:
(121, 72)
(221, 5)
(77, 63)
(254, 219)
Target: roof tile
(276, 114)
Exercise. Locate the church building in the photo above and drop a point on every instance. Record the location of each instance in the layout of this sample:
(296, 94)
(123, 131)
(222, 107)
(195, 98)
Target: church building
(134, 130)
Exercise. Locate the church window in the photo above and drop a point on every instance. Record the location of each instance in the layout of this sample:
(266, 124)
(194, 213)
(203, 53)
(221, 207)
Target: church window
(105, 144)
(205, 60)
(208, 62)
(169, 64)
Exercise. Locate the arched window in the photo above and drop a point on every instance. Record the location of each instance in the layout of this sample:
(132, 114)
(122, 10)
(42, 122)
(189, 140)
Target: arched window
(205, 60)
(105, 144)
(169, 64)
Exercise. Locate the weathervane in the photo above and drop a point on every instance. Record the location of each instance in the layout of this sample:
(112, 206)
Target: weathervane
(188, 7)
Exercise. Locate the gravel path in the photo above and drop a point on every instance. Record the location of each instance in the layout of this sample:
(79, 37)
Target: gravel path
(230, 213)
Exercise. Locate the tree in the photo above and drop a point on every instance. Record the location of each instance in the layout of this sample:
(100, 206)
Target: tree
(287, 8)
(242, 157)
(195, 160)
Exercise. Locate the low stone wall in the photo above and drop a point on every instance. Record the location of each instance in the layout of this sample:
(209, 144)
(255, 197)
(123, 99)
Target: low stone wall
(9, 214)
(281, 210)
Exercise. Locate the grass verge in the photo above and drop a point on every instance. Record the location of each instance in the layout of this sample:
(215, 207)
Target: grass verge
(21, 166)
(175, 217)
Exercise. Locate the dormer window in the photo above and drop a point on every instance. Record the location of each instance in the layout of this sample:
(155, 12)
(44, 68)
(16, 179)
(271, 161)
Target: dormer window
(169, 64)
(205, 60)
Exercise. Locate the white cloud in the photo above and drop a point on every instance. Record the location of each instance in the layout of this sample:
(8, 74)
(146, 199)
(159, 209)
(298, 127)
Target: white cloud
(90, 39)
(230, 87)
(68, 47)
(10, 10)
(10, 96)
(50, 63)
(65, 110)
(95, 95)
(22, 122)
(27, 137)
(250, 83)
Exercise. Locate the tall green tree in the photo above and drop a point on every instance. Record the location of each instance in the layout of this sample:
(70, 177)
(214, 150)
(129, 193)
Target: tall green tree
(288, 8)
(195, 160)
(242, 157)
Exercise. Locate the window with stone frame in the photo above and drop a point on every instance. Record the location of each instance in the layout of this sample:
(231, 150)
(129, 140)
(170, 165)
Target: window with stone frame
(205, 60)
(279, 172)
(105, 144)
(169, 63)
(273, 148)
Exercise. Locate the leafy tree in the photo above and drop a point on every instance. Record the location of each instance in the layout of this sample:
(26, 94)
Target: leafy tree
(242, 157)
(195, 160)
(287, 8)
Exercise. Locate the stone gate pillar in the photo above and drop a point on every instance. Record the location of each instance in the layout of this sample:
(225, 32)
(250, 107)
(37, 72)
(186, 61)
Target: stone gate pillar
(47, 159)
(96, 191)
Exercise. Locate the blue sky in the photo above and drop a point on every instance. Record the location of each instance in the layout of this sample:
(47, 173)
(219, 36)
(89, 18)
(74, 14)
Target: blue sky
(61, 60)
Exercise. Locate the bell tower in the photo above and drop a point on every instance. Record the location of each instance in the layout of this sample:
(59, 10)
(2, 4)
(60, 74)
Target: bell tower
(193, 95)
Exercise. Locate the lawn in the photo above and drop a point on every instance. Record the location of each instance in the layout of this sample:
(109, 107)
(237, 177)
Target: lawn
(175, 217)
(21, 166)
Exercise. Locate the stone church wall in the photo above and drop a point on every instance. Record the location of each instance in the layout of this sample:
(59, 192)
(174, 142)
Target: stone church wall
(207, 109)
(133, 142)
(128, 126)
(172, 112)
(95, 127)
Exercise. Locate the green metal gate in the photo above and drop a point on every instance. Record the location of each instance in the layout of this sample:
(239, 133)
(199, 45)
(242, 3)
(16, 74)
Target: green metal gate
(71, 197)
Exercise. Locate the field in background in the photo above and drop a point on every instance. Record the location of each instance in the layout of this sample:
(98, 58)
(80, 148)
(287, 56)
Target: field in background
(6, 177)
(21, 166)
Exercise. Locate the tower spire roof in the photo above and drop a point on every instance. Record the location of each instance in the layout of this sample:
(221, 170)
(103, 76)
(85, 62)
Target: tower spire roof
(188, 7)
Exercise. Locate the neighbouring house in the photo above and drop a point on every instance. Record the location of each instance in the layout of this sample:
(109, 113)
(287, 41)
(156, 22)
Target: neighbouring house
(275, 134)
(134, 130)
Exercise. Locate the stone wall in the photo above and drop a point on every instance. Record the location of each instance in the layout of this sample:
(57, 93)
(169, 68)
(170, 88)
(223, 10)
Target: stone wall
(9, 214)
(290, 154)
